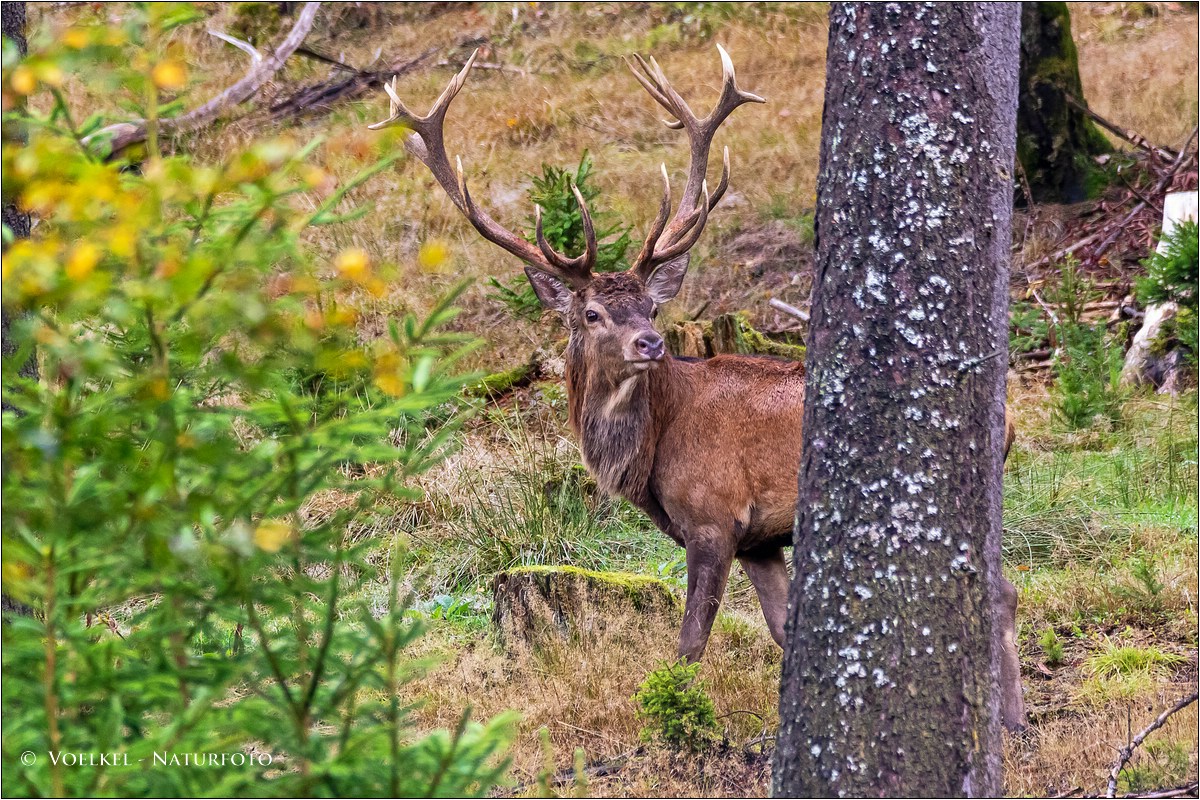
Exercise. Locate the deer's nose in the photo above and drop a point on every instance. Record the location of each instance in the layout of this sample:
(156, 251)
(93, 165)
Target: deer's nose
(650, 345)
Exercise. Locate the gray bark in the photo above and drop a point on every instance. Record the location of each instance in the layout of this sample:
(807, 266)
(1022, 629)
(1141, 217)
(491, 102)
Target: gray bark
(891, 670)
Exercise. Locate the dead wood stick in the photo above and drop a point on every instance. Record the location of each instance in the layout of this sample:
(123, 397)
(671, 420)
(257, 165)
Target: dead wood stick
(1181, 792)
(788, 309)
(1126, 752)
(1135, 139)
(1162, 185)
(1159, 188)
(484, 65)
(321, 96)
(1068, 793)
(127, 133)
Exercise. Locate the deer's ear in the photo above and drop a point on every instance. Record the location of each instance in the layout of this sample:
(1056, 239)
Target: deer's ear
(551, 292)
(665, 281)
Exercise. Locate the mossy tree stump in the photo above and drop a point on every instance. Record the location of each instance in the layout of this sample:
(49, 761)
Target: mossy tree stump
(728, 333)
(535, 606)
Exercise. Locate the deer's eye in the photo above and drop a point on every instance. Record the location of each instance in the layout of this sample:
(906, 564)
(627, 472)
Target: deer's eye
(654, 312)
(591, 316)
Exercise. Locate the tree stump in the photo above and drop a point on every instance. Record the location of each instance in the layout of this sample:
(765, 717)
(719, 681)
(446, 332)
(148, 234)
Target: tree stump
(728, 333)
(536, 606)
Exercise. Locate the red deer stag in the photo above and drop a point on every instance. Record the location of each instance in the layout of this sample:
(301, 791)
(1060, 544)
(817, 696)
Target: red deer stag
(709, 449)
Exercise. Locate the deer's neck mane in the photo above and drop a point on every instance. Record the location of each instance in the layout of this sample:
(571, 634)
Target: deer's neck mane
(618, 423)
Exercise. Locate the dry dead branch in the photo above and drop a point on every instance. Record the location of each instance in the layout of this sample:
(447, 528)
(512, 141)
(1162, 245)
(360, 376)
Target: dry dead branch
(124, 134)
(1126, 752)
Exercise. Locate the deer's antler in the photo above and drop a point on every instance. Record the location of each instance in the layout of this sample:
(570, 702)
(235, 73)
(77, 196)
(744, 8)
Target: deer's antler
(670, 240)
(426, 143)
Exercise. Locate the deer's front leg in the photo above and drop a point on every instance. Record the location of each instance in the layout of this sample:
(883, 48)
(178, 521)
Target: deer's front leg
(709, 557)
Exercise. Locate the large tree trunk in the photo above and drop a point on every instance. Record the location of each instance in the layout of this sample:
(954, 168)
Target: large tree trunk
(891, 670)
(1055, 140)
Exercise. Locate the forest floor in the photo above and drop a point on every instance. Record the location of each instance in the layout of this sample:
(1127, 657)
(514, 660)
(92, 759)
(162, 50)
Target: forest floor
(1100, 525)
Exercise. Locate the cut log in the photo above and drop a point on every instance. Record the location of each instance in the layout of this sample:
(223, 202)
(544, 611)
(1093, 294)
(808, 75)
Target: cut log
(536, 606)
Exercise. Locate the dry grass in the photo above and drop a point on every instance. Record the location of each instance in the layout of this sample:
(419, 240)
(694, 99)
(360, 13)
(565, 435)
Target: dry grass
(1138, 62)
(1077, 748)
(582, 693)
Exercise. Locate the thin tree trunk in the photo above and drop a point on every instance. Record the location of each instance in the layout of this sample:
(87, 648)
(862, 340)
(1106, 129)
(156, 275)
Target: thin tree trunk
(891, 670)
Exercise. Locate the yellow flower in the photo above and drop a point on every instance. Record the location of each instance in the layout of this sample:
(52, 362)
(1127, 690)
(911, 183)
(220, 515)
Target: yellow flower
(158, 388)
(23, 80)
(50, 75)
(76, 38)
(432, 255)
(313, 176)
(352, 264)
(388, 375)
(169, 75)
(82, 261)
(272, 534)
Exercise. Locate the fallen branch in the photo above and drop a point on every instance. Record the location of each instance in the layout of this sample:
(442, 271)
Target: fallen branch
(566, 777)
(1159, 189)
(1182, 791)
(319, 97)
(1126, 752)
(484, 65)
(788, 309)
(1135, 139)
(124, 134)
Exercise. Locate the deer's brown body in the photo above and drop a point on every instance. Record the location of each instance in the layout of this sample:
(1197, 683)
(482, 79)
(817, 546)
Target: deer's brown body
(709, 449)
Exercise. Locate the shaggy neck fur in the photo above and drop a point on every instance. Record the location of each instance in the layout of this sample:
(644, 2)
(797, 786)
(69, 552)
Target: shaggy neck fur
(617, 424)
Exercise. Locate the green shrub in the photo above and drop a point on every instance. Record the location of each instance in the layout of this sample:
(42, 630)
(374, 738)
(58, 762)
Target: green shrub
(678, 711)
(1088, 361)
(562, 224)
(1171, 276)
(158, 479)
(1052, 647)
(1028, 329)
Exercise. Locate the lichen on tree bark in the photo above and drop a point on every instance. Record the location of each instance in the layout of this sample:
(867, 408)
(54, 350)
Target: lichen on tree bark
(890, 676)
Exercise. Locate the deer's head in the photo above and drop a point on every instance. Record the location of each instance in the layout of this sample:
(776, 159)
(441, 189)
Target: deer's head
(610, 315)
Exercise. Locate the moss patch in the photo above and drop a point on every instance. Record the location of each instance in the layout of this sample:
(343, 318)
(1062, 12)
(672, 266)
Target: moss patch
(540, 604)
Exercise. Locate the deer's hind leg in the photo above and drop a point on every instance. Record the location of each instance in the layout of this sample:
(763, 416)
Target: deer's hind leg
(767, 570)
(709, 557)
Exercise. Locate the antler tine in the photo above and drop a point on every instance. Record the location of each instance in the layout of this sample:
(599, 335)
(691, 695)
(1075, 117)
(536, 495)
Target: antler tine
(581, 263)
(427, 144)
(646, 255)
(690, 217)
(691, 232)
